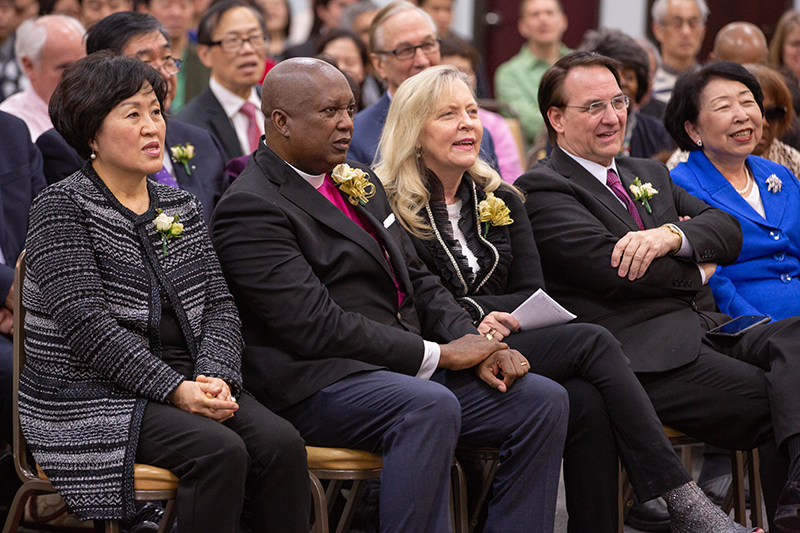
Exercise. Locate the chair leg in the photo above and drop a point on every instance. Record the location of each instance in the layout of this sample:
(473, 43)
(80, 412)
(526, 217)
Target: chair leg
(754, 477)
(458, 499)
(320, 505)
(334, 487)
(349, 512)
(168, 518)
(737, 488)
(625, 498)
(488, 475)
(17, 509)
(111, 526)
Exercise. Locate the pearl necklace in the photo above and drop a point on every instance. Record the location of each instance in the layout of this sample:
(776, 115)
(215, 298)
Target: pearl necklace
(746, 190)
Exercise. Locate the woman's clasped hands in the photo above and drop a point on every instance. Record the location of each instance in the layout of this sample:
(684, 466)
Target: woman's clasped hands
(208, 396)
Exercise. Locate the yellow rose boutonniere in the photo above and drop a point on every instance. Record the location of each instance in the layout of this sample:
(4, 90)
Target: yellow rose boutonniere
(493, 211)
(354, 183)
(182, 153)
(168, 227)
(643, 192)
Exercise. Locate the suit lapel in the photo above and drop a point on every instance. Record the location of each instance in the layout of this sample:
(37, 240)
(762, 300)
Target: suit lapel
(396, 255)
(569, 168)
(774, 203)
(649, 220)
(177, 168)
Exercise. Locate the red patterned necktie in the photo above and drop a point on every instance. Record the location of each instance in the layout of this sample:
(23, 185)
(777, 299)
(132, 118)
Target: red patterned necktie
(253, 133)
(612, 180)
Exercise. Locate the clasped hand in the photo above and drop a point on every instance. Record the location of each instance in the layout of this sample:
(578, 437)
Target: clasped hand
(634, 252)
(494, 362)
(210, 397)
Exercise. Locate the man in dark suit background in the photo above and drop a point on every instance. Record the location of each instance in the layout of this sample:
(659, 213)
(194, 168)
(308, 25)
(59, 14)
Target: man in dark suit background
(230, 42)
(21, 179)
(641, 271)
(352, 340)
(140, 35)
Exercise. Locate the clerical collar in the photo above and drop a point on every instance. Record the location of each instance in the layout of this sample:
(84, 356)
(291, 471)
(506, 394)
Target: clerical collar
(314, 180)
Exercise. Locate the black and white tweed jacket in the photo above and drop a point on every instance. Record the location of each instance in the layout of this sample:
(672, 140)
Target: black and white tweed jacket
(95, 272)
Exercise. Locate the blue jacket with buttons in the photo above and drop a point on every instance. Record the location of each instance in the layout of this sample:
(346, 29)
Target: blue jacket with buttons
(765, 279)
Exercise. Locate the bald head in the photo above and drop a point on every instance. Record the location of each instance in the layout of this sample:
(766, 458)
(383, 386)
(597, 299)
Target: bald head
(308, 107)
(740, 42)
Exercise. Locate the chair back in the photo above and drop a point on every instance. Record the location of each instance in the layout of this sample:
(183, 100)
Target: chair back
(24, 470)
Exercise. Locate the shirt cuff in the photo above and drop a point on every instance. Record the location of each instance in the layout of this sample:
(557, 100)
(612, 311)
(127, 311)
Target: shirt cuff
(686, 249)
(702, 273)
(430, 360)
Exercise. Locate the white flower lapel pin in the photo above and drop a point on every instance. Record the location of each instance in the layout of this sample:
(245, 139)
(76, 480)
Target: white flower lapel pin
(774, 184)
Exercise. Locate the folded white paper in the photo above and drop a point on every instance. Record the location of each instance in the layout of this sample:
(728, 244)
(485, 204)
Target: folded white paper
(541, 311)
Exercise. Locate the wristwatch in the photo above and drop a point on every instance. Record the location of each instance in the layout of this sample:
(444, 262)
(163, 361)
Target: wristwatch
(674, 229)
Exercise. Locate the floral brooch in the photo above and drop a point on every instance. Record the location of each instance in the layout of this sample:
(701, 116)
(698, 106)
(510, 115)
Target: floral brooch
(354, 183)
(493, 211)
(182, 153)
(168, 227)
(643, 192)
(774, 184)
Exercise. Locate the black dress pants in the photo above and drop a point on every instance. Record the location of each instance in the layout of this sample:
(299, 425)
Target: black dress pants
(255, 450)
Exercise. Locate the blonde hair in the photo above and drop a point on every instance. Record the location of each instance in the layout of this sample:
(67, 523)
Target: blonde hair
(786, 24)
(401, 171)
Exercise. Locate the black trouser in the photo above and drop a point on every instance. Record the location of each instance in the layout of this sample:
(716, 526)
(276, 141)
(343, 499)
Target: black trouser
(256, 450)
(590, 352)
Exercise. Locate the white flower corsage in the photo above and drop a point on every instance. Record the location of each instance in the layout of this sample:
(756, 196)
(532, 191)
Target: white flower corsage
(182, 153)
(643, 192)
(354, 183)
(493, 211)
(774, 184)
(168, 227)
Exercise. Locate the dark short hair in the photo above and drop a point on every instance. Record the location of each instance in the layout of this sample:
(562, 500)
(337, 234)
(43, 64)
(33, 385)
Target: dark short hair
(340, 33)
(210, 19)
(551, 88)
(625, 50)
(453, 45)
(90, 88)
(114, 31)
(684, 105)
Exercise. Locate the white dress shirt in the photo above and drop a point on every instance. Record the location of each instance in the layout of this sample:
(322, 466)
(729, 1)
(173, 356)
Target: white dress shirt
(430, 358)
(29, 106)
(232, 104)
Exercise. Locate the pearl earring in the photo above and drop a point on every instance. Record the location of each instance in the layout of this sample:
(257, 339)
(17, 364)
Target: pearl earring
(93, 156)
(699, 142)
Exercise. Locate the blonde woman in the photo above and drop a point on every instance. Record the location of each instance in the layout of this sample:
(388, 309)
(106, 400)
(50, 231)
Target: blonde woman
(472, 229)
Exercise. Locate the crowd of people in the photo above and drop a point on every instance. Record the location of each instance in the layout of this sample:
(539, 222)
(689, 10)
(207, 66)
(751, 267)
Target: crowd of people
(243, 238)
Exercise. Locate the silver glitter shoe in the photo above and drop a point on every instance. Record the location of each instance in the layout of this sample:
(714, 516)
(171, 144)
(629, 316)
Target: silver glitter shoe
(691, 511)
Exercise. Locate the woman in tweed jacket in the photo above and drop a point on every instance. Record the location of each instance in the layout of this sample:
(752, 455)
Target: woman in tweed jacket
(133, 340)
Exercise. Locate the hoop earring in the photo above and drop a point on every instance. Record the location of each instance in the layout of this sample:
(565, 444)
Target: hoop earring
(93, 156)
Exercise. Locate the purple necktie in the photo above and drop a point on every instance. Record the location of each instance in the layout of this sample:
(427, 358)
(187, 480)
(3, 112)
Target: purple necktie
(616, 186)
(163, 176)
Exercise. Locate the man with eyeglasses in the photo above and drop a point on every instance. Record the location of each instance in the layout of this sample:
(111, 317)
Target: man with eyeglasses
(139, 35)
(623, 247)
(44, 47)
(231, 41)
(679, 27)
(403, 42)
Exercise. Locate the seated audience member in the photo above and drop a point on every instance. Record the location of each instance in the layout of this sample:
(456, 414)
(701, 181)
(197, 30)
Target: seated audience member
(68, 8)
(777, 119)
(763, 196)
(462, 55)
(440, 192)
(21, 179)
(378, 355)
(177, 17)
(201, 169)
(784, 48)
(542, 23)
(630, 260)
(126, 303)
(44, 47)
(12, 14)
(403, 42)
(277, 20)
(349, 53)
(645, 135)
(327, 14)
(740, 42)
(648, 104)
(231, 42)
(93, 11)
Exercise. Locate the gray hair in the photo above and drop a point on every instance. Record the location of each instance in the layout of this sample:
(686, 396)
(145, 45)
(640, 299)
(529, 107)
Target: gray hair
(388, 11)
(659, 10)
(353, 11)
(32, 35)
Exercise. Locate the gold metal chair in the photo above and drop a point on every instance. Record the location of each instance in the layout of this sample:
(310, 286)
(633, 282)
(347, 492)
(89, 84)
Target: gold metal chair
(491, 459)
(741, 462)
(150, 483)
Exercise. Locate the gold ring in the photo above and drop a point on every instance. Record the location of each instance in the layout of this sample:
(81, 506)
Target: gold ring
(490, 334)
(523, 364)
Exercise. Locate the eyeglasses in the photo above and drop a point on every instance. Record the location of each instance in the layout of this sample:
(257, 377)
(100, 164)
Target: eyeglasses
(168, 66)
(775, 114)
(598, 108)
(678, 23)
(232, 44)
(404, 53)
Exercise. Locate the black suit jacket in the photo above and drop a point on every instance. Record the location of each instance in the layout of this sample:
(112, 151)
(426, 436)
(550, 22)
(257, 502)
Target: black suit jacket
(207, 180)
(315, 293)
(21, 179)
(661, 318)
(205, 111)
